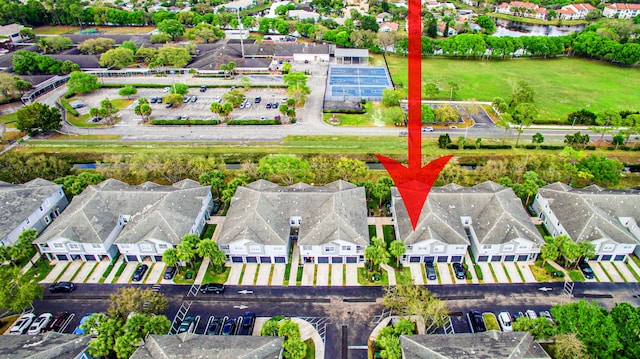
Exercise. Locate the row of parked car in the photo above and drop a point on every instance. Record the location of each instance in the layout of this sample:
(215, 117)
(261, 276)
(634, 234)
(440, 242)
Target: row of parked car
(32, 325)
(505, 319)
(242, 325)
(458, 270)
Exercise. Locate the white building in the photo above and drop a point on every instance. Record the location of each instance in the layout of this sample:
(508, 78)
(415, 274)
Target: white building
(33, 205)
(523, 9)
(621, 11)
(487, 218)
(303, 15)
(12, 32)
(575, 11)
(140, 221)
(329, 223)
(606, 218)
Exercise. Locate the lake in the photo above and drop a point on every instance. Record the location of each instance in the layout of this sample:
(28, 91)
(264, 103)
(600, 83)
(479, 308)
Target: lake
(517, 29)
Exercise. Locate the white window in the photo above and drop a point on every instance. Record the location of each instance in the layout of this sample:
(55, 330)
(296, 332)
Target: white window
(47, 220)
(254, 249)
(146, 247)
(508, 248)
(73, 246)
(96, 245)
(422, 248)
(608, 247)
(41, 209)
(346, 248)
(329, 249)
(306, 248)
(58, 245)
(163, 246)
(238, 247)
(358, 248)
(224, 246)
(125, 246)
(47, 202)
(486, 246)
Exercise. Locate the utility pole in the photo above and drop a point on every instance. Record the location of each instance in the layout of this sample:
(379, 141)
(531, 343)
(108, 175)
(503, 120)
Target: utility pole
(241, 33)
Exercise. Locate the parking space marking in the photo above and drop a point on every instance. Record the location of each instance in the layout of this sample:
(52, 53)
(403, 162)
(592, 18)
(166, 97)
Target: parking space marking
(416, 273)
(444, 273)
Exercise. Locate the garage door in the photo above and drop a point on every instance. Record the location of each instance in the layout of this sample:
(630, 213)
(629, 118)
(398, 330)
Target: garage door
(414, 259)
(323, 259)
(62, 257)
(336, 260)
(496, 258)
(443, 259)
(132, 258)
(483, 258)
(252, 260)
(429, 259)
(352, 259)
(456, 259)
(236, 260)
(523, 257)
(89, 257)
(606, 257)
(265, 259)
(619, 257)
(280, 260)
(509, 258)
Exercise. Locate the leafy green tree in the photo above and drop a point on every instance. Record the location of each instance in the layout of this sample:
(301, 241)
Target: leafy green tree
(128, 44)
(391, 97)
(118, 58)
(129, 300)
(205, 33)
(627, 320)
(17, 291)
(208, 249)
(294, 348)
(446, 113)
(538, 139)
(286, 67)
(604, 120)
(174, 99)
(431, 90)
(23, 248)
(270, 327)
(74, 184)
(288, 329)
(215, 179)
(453, 87)
(143, 108)
(568, 346)
(38, 118)
(234, 97)
(603, 170)
(171, 27)
(522, 93)
(428, 114)
(444, 140)
(295, 79)
(222, 110)
(487, 24)
(128, 91)
(186, 250)
(397, 249)
(54, 44)
(382, 189)
(171, 55)
(96, 46)
(523, 115)
(82, 82)
(170, 256)
(376, 254)
(549, 251)
(404, 327)
(417, 300)
(232, 186)
(160, 38)
(499, 104)
(284, 169)
(539, 328)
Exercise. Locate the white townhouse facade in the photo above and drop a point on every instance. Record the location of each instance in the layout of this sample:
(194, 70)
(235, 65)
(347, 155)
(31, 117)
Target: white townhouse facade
(621, 11)
(487, 218)
(606, 218)
(329, 223)
(32, 205)
(140, 222)
(575, 11)
(522, 8)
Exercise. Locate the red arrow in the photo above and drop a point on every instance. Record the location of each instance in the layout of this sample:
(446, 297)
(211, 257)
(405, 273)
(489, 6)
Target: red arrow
(414, 181)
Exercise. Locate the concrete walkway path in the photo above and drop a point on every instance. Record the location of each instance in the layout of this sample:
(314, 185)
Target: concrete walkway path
(295, 259)
(337, 274)
(202, 272)
(599, 272)
(625, 272)
(29, 264)
(156, 272)
(416, 273)
(391, 273)
(58, 268)
(114, 270)
(444, 273)
(278, 274)
(512, 269)
(469, 262)
(308, 271)
(125, 277)
(98, 271)
(525, 269)
(82, 275)
(322, 274)
(486, 272)
(249, 273)
(235, 273)
(263, 274)
(71, 271)
(611, 271)
(307, 331)
(352, 274)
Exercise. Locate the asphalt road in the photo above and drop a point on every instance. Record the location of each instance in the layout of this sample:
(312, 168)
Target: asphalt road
(345, 314)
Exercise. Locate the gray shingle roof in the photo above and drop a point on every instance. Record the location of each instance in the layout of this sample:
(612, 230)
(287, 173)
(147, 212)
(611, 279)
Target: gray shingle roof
(49, 345)
(487, 345)
(340, 52)
(192, 346)
(496, 213)
(592, 212)
(162, 212)
(17, 202)
(260, 212)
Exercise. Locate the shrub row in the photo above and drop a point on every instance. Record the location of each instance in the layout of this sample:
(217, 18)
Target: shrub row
(345, 111)
(549, 121)
(183, 122)
(478, 272)
(531, 146)
(191, 86)
(253, 122)
(488, 146)
(68, 107)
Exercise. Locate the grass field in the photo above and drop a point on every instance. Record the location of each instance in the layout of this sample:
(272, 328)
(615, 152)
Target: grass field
(9, 119)
(562, 85)
(107, 30)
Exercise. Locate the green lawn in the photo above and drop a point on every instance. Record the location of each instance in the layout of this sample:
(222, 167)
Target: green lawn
(213, 277)
(311, 349)
(9, 119)
(562, 85)
(81, 121)
(403, 277)
(376, 116)
(490, 321)
(364, 278)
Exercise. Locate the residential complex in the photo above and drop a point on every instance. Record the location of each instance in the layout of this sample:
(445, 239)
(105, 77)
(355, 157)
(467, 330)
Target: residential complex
(522, 8)
(621, 11)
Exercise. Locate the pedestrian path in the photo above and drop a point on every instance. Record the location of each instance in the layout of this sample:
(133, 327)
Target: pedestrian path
(416, 273)
(390, 272)
(202, 272)
(625, 272)
(71, 270)
(444, 273)
(525, 269)
(611, 271)
(114, 270)
(84, 272)
(235, 273)
(29, 264)
(351, 270)
(125, 277)
(307, 331)
(100, 268)
(156, 272)
(278, 274)
(263, 274)
(512, 269)
(295, 258)
(486, 272)
(249, 273)
(599, 272)
(58, 268)
(337, 273)
(308, 271)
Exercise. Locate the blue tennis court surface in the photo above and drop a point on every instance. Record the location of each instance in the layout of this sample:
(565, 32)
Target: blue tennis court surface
(356, 82)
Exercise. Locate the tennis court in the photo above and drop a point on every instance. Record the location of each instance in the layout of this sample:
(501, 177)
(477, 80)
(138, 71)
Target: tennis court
(353, 83)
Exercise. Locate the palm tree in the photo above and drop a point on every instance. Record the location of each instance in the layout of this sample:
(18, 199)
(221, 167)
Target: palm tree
(224, 68)
(170, 256)
(397, 249)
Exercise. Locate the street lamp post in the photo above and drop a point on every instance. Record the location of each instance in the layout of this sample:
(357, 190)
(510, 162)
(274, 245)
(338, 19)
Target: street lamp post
(574, 121)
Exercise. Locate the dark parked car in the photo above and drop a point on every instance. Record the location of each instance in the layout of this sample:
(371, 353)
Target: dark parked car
(274, 105)
(62, 287)
(458, 270)
(258, 99)
(170, 272)
(57, 321)
(96, 119)
(168, 105)
(153, 100)
(203, 88)
(78, 105)
(586, 269)
(246, 326)
(139, 273)
(229, 327)
(214, 327)
(431, 271)
(477, 323)
(212, 287)
(188, 325)
(268, 106)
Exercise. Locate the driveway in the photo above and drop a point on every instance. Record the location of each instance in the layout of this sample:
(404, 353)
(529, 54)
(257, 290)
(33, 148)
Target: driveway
(352, 274)
(235, 273)
(499, 272)
(125, 277)
(55, 272)
(599, 272)
(486, 272)
(322, 274)
(249, 274)
(625, 272)
(263, 274)
(308, 271)
(611, 271)
(444, 273)
(337, 274)
(512, 269)
(155, 272)
(83, 273)
(278, 274)
(416, 273)
(71, 270)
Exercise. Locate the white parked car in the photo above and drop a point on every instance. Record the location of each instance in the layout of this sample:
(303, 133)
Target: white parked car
(166, 89)
(22, 324)
(531, 314)
(506, 322)
(40, 323)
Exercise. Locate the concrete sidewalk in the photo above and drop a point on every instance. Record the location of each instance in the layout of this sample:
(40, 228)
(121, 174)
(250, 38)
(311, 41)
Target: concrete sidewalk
(307, 331)
(125, 277)
(391, 273)
(202, 271)
(308, 271)
(337, 273)
(71, 271)
(235, 273)
(82, 275)
(58, 268)
(486, 272)
(263, 274)
(295, 258)
(29, 264)
(278, 274)
(98, 271)
(416, 273)
(249, 273)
